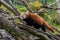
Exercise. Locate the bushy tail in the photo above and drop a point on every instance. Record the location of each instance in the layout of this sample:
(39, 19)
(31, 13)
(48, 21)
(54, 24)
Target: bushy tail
(48, 26)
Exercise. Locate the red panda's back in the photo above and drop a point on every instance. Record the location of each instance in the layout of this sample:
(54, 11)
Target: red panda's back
(36, 18)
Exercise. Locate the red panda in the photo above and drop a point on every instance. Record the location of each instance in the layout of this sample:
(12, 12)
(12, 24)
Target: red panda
(37, 21)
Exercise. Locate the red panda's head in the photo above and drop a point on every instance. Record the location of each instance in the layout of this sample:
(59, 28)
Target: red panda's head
(24, 15)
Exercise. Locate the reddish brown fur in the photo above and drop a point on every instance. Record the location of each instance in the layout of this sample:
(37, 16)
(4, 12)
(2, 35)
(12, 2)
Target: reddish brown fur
(39, 20)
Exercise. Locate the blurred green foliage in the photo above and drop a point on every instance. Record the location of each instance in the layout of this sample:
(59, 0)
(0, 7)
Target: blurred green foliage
(20, 8)
(35, 5)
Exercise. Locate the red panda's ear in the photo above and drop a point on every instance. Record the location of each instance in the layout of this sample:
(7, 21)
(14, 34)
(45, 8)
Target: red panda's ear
(35, 13)
(30, 12)
(27, 13)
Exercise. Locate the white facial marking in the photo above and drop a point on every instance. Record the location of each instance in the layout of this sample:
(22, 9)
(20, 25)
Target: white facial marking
(23, 16)
(27, 12)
